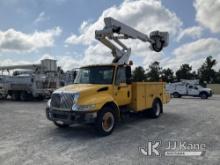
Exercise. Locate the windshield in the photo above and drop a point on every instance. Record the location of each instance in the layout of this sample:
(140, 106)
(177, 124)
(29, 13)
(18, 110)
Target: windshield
(95, 75)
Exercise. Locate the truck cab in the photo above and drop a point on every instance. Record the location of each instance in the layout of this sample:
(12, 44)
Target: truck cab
(198, 90)
(100, 94)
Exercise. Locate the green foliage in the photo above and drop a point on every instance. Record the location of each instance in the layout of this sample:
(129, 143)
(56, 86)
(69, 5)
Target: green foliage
(184, 72)
(167, 75)
(154, 72)
(217, 77)
(138, 74)
(206, 71)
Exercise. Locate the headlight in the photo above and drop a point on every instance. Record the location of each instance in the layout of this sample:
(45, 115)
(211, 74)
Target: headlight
(83, 107)
(75, 107)
(76, 97)
(87, 107)
(48, 103)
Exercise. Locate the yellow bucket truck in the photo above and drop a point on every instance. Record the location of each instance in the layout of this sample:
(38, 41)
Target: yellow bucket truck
(101, 93)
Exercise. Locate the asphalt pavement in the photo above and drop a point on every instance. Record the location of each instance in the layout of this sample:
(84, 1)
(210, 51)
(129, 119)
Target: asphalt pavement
(28, 138)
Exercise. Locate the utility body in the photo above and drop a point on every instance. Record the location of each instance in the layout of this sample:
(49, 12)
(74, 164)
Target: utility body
(101, 93)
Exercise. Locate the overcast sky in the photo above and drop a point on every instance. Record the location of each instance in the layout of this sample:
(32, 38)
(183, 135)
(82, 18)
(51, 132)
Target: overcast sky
(31, 30)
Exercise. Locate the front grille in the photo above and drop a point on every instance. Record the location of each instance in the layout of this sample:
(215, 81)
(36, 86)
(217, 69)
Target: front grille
(62, 101)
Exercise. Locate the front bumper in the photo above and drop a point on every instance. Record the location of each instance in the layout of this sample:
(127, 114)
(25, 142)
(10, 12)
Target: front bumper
(71, 117)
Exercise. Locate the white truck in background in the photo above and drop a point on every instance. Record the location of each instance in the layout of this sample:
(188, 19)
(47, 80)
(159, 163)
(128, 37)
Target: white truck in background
(32, 81)
(188, 88)
(28, 86)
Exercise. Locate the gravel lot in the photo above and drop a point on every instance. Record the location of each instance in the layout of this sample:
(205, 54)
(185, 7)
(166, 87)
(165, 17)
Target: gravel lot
(27, 137)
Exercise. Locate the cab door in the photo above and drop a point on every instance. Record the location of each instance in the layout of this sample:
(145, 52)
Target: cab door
(122, 90)
(193, 90)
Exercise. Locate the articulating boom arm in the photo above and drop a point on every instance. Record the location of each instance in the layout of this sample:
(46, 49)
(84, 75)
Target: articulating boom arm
(115, 30)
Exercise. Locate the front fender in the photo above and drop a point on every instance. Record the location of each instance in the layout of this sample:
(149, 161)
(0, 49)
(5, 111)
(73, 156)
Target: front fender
(99, 100)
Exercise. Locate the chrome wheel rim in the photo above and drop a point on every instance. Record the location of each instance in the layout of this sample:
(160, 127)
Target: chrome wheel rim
(108, 122)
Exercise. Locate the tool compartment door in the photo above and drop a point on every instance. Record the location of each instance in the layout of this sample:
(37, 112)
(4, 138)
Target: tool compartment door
(144, 93)
(150, 92)
(138, 97)
(153, 90)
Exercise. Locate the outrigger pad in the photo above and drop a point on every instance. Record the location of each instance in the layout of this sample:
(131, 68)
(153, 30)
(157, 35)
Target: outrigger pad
(160, 40)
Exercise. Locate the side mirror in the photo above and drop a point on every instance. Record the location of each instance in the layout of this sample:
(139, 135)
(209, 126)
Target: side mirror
(128, 74)
(159, 40)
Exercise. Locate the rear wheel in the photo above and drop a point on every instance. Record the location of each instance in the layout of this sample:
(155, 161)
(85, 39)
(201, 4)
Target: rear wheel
(61, 124)
(203, 95)
(156, 109)
(105, 122)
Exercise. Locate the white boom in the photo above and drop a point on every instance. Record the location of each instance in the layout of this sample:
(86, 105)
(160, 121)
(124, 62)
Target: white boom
(115, 30)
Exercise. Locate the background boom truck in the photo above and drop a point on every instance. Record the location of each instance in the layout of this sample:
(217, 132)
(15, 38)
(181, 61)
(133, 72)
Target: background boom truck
(188, 88)
(29, 81)
(101, 93)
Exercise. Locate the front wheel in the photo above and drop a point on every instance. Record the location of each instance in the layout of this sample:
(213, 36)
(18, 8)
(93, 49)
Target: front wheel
(176, 95)
(105, 122)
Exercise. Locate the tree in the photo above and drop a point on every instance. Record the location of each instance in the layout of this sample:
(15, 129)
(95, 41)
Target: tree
(206, 73)
(184, 72)
(167, 75)
(154, 72)
(217, 79)
(138, 74)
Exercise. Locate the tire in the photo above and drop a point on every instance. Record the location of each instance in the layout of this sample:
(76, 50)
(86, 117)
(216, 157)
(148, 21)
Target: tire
(105, 122)
(40, 98)
(203, 95)
(156, 109)
(176, 95)
(61, 125)
(15, 96)
(23, 96)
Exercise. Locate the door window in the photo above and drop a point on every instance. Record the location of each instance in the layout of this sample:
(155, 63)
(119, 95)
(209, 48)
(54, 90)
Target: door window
(190, 87)
(121, 75)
